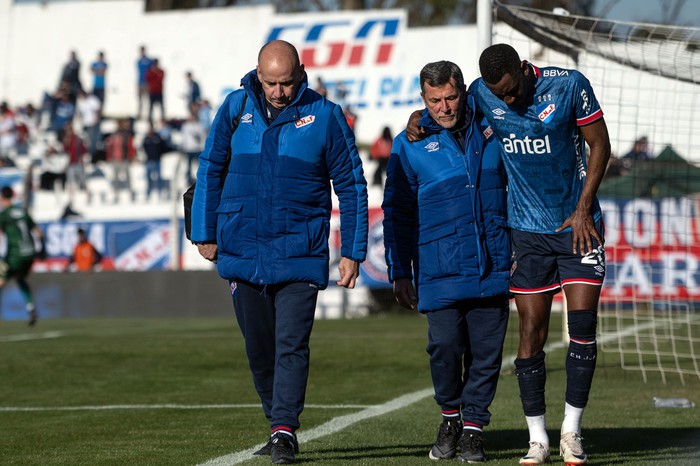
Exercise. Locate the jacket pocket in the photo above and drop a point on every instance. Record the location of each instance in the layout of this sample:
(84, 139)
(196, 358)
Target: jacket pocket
(439, 251)
(307, 231)
(229, 228)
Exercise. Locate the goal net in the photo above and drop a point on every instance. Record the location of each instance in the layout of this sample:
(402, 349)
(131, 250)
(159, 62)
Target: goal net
(647, 80)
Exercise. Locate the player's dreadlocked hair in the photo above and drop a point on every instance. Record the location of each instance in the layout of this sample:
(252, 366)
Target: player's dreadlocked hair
(498, 60)
(439, 73)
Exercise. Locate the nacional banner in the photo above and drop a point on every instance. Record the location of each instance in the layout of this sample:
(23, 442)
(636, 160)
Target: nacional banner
(125, 245)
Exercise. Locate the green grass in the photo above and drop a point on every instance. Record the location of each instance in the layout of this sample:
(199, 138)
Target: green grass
(365, 361)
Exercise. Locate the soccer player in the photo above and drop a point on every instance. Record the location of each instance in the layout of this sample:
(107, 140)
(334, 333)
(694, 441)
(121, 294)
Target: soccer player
(444, 229)
(542, 116)
(21, 234)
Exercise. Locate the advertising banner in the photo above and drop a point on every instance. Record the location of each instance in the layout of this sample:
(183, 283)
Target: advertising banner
(652, 248)
(125, 245)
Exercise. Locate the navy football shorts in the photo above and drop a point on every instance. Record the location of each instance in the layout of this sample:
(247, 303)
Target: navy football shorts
(546, 262)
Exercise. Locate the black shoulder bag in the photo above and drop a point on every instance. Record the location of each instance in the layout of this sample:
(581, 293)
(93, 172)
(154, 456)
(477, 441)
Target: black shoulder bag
(188, 196)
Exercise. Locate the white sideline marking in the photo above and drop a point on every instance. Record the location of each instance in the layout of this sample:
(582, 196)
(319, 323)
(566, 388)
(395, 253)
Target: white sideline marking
(164, 406)
(339, 423)
(334, 425)
(31, 336)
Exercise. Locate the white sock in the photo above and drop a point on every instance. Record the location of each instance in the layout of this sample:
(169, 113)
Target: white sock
(536, 425)
(572, 419)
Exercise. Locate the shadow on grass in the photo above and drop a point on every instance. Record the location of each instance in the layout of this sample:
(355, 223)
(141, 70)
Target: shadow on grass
(398, 450)
(614, 446)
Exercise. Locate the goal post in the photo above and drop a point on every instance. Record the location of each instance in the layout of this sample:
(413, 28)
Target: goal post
(647, 80)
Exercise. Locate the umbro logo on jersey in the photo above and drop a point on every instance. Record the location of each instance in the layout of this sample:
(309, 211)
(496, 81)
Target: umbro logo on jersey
(247, 118)
(432, 147)
(307, 120)
(498, 111)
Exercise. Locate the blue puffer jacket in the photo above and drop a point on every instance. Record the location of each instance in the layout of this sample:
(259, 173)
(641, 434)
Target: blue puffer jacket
(271, 220)
(445, 215)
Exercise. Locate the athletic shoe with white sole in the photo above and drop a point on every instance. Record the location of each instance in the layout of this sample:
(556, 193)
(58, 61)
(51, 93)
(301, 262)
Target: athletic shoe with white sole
(448, 437)
(537, 454)
(571, 450)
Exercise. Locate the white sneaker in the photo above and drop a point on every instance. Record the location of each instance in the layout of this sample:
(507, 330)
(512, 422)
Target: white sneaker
(537, 454)
(571, 450)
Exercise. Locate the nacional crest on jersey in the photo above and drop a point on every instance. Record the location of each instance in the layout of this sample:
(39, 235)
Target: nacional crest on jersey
(545, 112)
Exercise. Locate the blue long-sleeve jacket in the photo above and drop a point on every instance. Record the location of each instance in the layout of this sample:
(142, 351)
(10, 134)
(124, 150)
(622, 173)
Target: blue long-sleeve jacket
(445, 215)
(271, 218)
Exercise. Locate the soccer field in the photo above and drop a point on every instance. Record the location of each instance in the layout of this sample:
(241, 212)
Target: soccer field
(178, 392)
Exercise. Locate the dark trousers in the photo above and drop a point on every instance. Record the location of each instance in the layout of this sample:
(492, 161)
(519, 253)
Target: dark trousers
(276, 322)
(465, 344)
(154, 99)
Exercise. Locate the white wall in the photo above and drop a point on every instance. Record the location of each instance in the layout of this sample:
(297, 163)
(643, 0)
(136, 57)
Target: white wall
(218, 45)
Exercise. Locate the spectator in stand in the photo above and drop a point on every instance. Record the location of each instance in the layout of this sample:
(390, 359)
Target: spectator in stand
(27, 128)
(70, 77)
(350, 117)
(639, 151)
(380, 152)
(89, 110)
(154, 80)
(204, 115)
(194, 94)
(120, 153)
(340, 93)
(85, 256)
(165, 131)
(321, 87)
(53, 166)
(8, 131)
(143, 64)
(99, 70)
(63, 114)
(193, 137)
(154, 147)
(75, 148)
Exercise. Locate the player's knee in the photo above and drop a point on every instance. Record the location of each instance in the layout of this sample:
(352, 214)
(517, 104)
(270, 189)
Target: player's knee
(582, 325)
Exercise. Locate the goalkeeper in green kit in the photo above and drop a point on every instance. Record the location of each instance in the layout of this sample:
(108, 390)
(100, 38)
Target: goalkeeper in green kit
(22, 237)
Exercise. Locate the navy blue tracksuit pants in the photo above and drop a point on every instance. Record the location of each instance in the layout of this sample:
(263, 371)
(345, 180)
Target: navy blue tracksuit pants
(465, 344)
(276, 322)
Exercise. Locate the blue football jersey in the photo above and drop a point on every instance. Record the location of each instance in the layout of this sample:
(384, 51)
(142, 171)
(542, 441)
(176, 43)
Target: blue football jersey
(543, 148)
